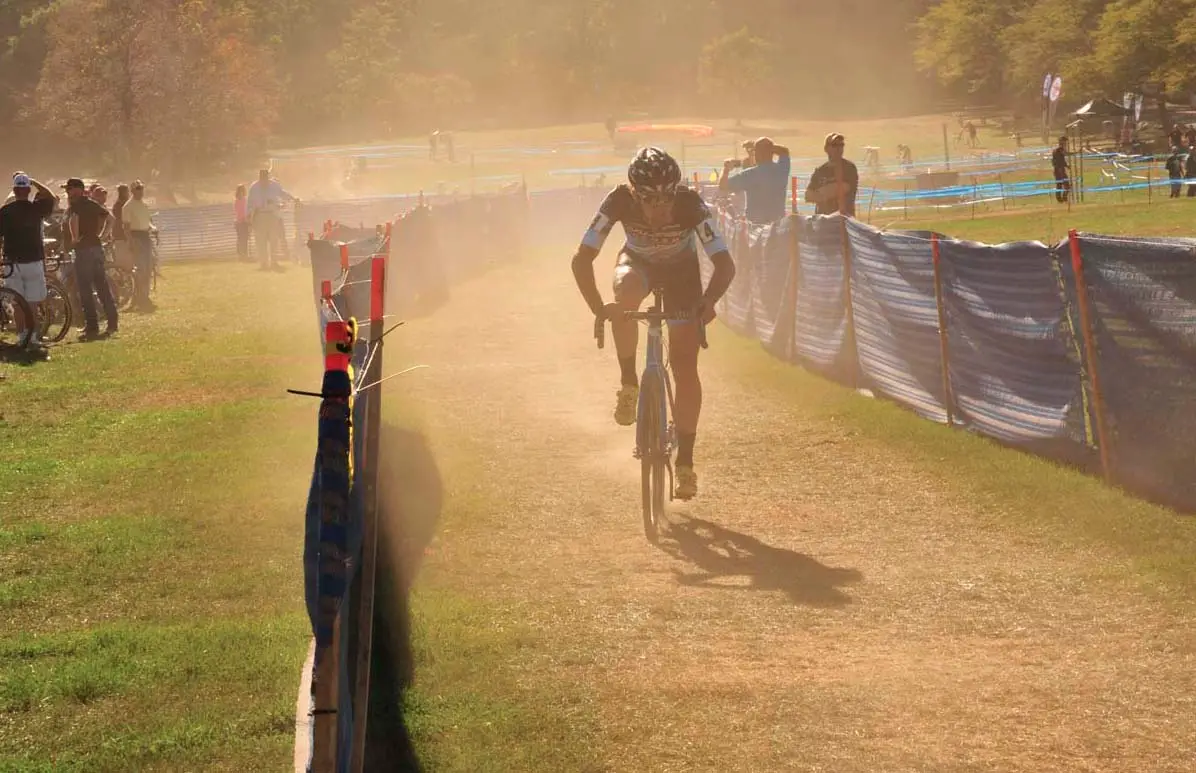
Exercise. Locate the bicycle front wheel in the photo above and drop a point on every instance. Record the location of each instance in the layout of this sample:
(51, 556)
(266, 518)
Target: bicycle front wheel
(653, 450)
(55, 312)
(15, 315)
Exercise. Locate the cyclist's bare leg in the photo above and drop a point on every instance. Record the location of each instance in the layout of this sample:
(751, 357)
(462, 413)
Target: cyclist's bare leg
(630, 290)
(683, 360)
(629, 293)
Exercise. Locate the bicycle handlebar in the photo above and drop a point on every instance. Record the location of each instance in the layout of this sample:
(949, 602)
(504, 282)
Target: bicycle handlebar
(651, 316)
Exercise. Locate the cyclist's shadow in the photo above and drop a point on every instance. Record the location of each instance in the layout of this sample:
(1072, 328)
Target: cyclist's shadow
(719, 553)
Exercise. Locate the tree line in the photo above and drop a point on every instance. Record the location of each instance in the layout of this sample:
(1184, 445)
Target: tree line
(1000, 50)
(183, 85)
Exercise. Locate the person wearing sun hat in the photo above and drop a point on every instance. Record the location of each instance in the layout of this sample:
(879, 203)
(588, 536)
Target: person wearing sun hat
(833, 185)
(21, 233)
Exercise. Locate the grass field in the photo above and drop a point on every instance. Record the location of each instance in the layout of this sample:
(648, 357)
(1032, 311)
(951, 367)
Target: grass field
(151, 610)
(855, 590)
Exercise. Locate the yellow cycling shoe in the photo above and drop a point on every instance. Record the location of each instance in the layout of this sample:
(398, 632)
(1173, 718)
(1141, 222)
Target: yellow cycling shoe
(625, 406)
(687, 483)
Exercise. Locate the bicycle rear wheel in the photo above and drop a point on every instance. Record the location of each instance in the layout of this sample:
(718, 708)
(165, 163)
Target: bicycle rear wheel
(121, 280)
(12, 308)
(652, 449)
(55, 312)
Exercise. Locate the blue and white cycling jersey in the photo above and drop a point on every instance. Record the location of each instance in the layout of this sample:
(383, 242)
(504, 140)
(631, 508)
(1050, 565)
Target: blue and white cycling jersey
(691, 224)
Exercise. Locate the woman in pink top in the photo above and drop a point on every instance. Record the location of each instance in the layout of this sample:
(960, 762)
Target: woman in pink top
(241, 209)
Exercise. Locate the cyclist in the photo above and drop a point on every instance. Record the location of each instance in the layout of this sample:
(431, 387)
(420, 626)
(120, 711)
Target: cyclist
(663, 221)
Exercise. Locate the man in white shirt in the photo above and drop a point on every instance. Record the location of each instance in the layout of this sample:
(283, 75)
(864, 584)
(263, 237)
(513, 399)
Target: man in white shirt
(265, 212)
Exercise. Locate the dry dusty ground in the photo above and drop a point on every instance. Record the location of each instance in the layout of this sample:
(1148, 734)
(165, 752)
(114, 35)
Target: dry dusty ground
(825, 605)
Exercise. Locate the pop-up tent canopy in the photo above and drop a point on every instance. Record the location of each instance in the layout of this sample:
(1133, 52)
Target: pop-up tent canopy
(1101, 108)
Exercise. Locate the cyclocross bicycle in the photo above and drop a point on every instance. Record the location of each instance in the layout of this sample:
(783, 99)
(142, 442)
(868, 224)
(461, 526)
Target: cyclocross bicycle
(15, 315)
(655, 435)
(56, 311)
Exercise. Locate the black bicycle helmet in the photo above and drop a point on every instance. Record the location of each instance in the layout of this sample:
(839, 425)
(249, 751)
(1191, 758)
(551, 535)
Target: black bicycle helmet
(653, 172)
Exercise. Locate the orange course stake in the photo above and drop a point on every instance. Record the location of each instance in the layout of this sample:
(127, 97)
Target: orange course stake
(338, 345)
(326, 290)
(344, 257)
(377, 294)
(1098, 395)
(793, 194)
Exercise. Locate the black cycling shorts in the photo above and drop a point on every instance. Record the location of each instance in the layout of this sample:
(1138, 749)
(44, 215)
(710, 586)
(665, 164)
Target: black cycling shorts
(681, 280)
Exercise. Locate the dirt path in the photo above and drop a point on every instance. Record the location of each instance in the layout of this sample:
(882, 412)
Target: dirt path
(822, 606)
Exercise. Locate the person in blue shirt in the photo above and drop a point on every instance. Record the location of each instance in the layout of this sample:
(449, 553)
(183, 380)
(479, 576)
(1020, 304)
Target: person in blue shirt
(764, 184)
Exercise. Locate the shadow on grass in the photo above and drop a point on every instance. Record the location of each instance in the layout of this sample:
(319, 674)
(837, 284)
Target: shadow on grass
(411, 494)
(16, 355)
(719, 553)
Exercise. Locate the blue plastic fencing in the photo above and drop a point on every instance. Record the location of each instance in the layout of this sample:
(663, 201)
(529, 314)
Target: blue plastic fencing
(336, 505)
(430, 247)
(1017, 368)
(1143, 300)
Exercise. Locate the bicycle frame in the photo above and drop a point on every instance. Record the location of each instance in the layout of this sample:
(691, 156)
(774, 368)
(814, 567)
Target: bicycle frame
(654, 367)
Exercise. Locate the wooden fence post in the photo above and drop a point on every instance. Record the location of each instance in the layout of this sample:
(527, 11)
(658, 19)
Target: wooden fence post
(1090, 355)
(944, 358)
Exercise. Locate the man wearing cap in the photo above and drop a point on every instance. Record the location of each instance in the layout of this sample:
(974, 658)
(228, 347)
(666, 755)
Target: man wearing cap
(265, 200)
(833, 185)
(139, 225)
(763, 184)
(21, 232)
(88, 223)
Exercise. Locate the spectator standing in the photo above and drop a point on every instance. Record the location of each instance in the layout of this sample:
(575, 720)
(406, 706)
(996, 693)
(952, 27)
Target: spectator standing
(99, 193)
(139, 224)
(1175, 171)
(1189, 169)
(833, 186)
(1062, 170)
(241, 222)
(89, 223)
(21, 234)
(265, 212)
(764, 185)
(122, 252)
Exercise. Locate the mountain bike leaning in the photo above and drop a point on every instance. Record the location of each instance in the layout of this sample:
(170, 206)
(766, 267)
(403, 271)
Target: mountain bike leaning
(664, 222)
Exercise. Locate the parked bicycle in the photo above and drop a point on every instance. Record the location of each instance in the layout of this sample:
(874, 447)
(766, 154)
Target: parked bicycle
(57, 311)
(15, 313)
